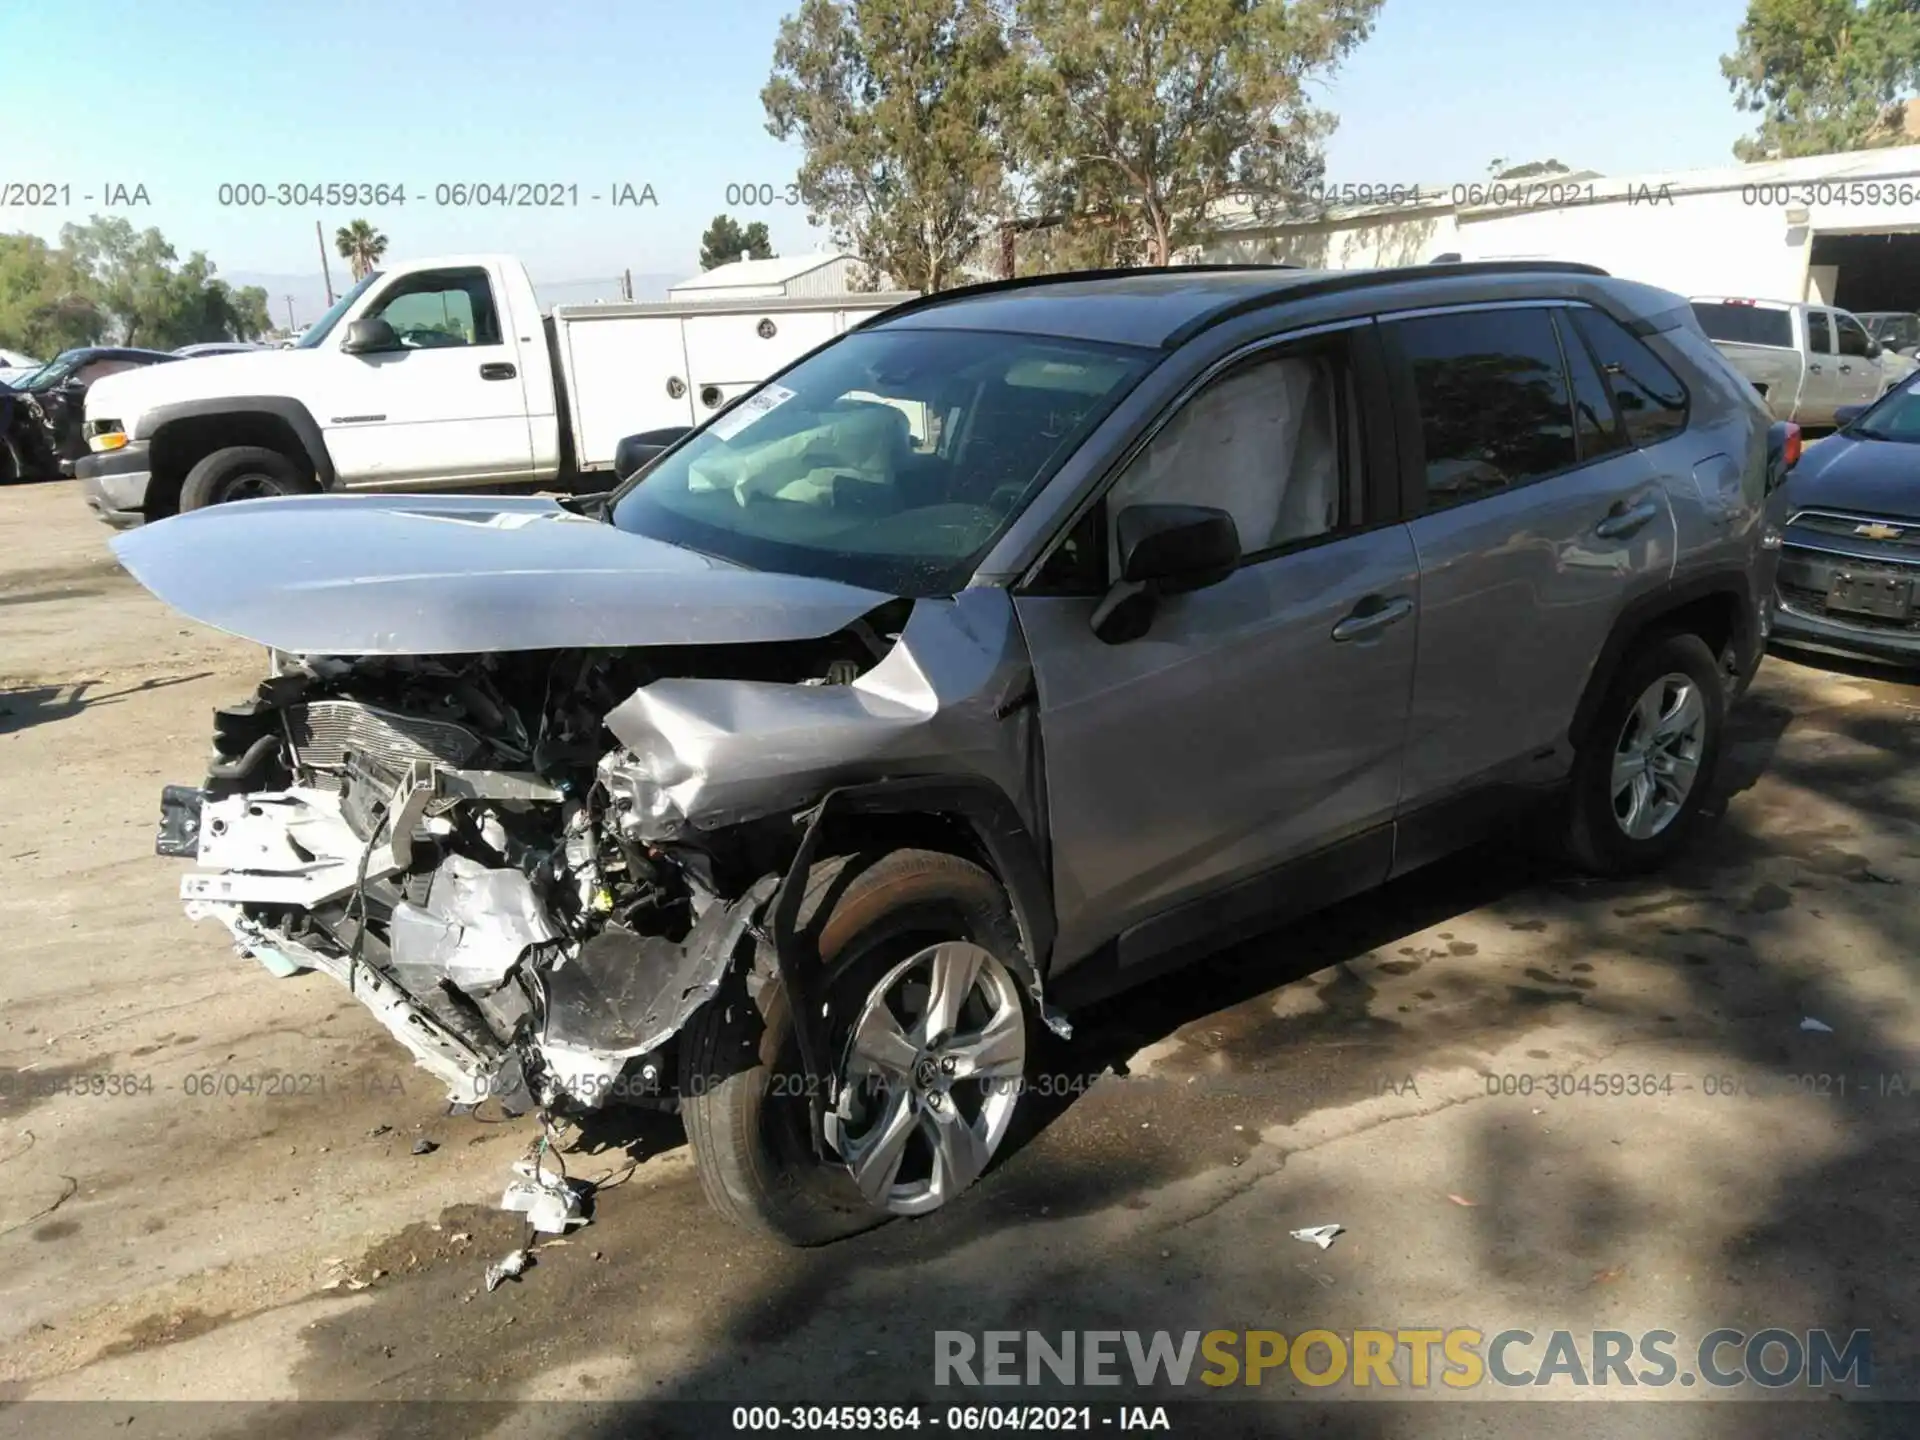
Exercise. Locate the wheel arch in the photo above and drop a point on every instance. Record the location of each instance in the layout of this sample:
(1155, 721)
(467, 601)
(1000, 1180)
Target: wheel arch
(180, 435)
(1718, 607)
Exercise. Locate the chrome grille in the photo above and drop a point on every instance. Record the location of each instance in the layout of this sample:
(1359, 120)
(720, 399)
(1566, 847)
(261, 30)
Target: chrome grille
(1902, 545)
(326, 732)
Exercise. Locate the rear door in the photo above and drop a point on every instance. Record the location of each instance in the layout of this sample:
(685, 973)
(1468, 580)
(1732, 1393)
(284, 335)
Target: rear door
(1861, 378)
(1535, 523)
(1821, 392)
(1259, 720)
(448, 405)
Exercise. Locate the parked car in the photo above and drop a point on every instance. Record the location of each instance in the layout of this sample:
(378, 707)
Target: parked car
(1030, 640)
(1851, 557)
(1896, 330)
(220, 347)
(1805, 360)
(50, 404)
(438, 375)
(18, 360)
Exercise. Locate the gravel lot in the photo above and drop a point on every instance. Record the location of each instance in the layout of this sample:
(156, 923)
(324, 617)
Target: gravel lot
(186, 1235)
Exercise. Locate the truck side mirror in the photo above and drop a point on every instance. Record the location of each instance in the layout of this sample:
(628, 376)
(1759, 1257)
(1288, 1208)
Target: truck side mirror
(369, 337)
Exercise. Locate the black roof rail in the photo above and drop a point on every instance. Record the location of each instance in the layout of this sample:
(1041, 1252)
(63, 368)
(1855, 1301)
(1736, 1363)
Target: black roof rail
(1065, 277)
(1323, 283)
(1334, 281)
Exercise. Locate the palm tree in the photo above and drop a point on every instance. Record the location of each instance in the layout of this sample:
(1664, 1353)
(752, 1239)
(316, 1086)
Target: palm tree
(360, 245)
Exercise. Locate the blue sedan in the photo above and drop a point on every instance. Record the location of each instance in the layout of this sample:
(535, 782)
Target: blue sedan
(1851, 554)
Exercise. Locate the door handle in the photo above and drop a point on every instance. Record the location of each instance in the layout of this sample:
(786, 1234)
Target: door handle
(1371, 616)
(497, 370)
(1623, 519)
(1846, 369)
(1814, 368)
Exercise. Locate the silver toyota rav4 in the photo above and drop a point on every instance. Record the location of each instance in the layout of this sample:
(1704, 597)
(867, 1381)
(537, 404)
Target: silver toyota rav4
(1019, 645)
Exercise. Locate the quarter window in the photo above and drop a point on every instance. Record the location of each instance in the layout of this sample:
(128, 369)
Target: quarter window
(1651, 400)
(1595, 425)
(1492, 400)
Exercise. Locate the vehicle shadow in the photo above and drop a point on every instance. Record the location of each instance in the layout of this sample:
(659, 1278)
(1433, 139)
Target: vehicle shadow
(32, 705)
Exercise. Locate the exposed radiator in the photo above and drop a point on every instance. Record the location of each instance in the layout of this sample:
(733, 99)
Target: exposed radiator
(326, 732)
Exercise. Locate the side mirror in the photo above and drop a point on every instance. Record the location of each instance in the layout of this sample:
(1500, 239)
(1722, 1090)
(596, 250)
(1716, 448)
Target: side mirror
(636, 452)
(1873, 349)
(1164, 550)
(1845, 415)
(369, 337)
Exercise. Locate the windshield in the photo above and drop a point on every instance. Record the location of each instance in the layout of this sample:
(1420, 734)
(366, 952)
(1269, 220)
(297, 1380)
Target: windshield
(1895, 417)
(53, 372)
(890, 460)
(317, 331)
(1746, 324)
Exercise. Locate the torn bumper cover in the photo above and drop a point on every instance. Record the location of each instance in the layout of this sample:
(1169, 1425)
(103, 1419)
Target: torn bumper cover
(617, 997)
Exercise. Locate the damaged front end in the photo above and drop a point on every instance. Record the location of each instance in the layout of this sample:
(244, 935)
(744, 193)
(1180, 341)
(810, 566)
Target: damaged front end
(534, 867)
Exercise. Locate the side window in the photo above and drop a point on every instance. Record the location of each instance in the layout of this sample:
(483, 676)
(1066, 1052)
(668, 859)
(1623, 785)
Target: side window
(1596, 428)
(1651, 400)
(1819, 333)
(441, 308)
(99, 369)
(1492, 400)
(1853, 336)
(1262, 442)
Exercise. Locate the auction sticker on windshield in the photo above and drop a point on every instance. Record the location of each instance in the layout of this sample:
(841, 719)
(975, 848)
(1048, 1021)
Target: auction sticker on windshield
(748, 411)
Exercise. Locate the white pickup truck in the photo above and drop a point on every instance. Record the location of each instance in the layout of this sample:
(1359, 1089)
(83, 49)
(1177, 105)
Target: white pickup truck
(437, 374)
(1805, 360)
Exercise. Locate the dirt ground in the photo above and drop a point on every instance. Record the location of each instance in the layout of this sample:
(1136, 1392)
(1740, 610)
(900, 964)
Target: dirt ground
(208, 1189)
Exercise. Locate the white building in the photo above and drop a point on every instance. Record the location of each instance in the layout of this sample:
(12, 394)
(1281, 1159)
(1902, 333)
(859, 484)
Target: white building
(1839, 229)
(786, 277)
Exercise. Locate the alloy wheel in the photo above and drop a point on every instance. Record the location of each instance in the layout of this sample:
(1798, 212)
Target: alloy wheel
(1656, 760)
(931, 1073)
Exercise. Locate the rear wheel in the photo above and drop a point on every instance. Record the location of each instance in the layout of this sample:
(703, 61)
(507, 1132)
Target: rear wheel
(1644, 770)
(922, 985)
(243, 472)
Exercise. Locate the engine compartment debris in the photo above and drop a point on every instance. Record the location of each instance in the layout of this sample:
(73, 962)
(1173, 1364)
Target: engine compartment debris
(1321, 1235)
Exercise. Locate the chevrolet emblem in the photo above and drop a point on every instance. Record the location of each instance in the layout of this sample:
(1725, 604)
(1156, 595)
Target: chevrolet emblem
(1877, 531)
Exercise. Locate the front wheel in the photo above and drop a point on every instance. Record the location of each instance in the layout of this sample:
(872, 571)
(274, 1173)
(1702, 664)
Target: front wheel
(243, 472)
(923, 991)
(1646, 765)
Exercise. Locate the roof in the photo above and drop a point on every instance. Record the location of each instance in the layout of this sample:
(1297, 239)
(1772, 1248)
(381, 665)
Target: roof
(1535, 192)
(1156, 308)
(780, 270)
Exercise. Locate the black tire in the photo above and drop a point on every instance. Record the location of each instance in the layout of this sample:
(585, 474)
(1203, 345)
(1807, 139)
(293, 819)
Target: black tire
(1593, 836)
(243, 472)
(860, 916)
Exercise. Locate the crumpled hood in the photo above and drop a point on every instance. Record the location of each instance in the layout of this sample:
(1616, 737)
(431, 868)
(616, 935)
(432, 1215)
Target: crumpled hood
(458, 574)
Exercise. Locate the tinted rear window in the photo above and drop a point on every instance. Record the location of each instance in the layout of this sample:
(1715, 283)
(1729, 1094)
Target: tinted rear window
(1746, 324)
(1651, 400)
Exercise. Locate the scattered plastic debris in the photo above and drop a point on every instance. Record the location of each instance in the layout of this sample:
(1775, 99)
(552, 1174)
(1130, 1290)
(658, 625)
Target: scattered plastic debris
(510, 1266)
(424, 1146)
(1817, 1026)
(549, 1201)
(1608, 1275)
(378, 1131)
(1321, 1235)
(1462, 1200)
(459, 1237)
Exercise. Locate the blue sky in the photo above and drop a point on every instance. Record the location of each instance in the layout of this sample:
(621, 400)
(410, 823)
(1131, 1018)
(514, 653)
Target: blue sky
(185, 95)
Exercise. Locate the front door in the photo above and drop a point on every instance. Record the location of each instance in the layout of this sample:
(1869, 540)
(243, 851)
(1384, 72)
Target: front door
(1257, 720)
(1535, 521)
(448, 405)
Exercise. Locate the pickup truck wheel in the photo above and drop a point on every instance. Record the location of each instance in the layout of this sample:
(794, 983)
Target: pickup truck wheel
(922, 988)
(243, 472)
(1648, 761)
